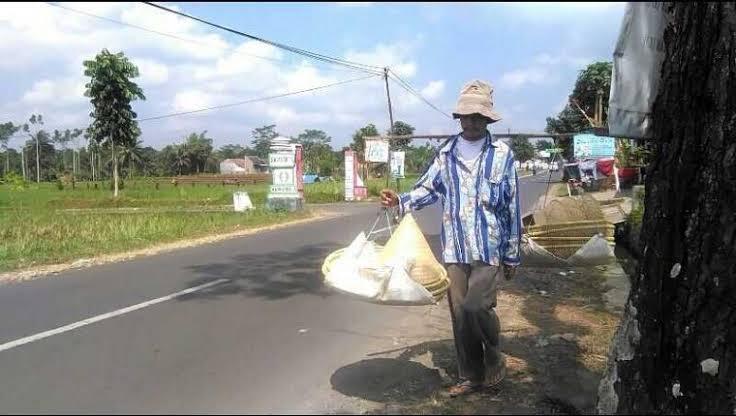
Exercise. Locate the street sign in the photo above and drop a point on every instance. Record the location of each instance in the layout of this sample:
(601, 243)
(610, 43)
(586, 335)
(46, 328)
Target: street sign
(376, 151)
(283, 190)
(281, 160)
(589, 145)
(397, 165)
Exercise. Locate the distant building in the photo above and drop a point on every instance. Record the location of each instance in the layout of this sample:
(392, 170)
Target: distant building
(245, 166)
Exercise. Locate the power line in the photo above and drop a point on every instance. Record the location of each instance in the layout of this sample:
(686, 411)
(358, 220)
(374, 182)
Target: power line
(255, 99)
(405, 85)
(193, 41)
(313, 55)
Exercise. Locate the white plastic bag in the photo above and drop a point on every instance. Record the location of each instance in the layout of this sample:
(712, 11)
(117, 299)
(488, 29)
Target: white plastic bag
(637, 62)
(596, 251)
(402, 289)
(360, 273)
(347, 275)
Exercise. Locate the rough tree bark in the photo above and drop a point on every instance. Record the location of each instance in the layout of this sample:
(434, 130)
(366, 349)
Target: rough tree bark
(675, 351)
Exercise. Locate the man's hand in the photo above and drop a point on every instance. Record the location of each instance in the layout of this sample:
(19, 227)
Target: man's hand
(509, 271)
(389, 198)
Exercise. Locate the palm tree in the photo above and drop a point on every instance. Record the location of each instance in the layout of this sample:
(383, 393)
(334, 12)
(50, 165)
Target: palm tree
(131, 152)
(182, 158)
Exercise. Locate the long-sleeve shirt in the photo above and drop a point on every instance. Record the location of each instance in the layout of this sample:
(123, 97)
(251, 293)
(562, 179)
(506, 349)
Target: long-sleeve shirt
(481, 218)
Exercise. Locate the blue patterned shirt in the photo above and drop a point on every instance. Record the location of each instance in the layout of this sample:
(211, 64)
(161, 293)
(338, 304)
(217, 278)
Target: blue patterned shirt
(480, 215)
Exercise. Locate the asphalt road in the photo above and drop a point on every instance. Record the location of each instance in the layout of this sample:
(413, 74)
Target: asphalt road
(265, 340)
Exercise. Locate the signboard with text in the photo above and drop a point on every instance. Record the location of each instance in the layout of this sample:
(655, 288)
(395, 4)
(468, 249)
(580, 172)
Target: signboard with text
(376, 151)
(397, 165)
(592, 146)
(281, 160)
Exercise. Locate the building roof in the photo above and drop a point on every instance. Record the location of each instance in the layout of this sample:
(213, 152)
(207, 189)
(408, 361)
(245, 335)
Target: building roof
(238, 162)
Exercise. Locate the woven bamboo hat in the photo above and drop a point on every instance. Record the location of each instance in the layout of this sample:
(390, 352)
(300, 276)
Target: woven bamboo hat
(408, 241)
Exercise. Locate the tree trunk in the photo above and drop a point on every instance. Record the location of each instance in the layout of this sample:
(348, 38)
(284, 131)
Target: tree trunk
(114, 169)
(38, 161)
(23, 162)
(681, 315)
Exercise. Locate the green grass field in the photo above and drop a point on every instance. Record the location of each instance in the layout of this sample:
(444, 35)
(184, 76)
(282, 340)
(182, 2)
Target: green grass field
(42, 224)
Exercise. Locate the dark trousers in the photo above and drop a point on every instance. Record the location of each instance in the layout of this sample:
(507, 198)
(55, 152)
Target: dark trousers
(472, 297)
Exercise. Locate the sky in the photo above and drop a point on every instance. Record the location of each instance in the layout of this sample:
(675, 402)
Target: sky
(530, 52)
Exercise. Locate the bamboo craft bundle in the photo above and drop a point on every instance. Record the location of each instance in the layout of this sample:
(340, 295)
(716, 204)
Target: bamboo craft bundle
(408, 241)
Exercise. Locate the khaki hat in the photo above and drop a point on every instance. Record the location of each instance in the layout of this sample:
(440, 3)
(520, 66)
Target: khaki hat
(476, 97)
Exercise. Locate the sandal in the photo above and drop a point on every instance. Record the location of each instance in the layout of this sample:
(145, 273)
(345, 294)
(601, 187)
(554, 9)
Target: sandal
(464, 388)
(496, 374)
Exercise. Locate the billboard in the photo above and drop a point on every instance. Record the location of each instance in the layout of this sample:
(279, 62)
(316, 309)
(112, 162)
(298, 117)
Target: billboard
(592, 146)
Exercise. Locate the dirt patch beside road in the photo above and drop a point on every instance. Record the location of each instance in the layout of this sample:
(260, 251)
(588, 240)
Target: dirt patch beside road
(556, 328)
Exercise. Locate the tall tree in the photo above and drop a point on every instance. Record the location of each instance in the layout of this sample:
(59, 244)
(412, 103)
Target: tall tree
(132, 154)
(523, 150)
(42, 149)
(596, 77)
(111, 92)
(674, 352)
(34, 131)
(182, 160)
(316, 148)
(544, 145)
(7, 130)
(262, 137)
(75, 140)
(200, 148)
(401, 129)
(418, 158)
(230, 151)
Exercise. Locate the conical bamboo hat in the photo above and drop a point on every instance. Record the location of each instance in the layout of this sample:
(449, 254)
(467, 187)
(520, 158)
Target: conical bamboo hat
(408, 241)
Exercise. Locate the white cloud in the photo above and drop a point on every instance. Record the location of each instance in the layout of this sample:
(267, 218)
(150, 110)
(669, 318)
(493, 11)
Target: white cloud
(393, 56)
(180, 76)
(192, 100)
(151, 72)
(433, 90)
(521, 77)
(55, 93)
(562, 58)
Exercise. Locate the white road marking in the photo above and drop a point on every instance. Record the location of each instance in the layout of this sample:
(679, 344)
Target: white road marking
(46, 334)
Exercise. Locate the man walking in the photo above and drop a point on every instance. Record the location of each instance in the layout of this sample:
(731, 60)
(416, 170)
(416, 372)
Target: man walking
(475, 178)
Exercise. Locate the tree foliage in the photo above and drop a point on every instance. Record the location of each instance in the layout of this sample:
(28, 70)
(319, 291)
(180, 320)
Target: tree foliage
(111, 92)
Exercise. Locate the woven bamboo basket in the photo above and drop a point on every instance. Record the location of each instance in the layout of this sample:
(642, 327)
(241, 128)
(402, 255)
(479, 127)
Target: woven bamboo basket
(565, 250)
(565, 240)
(572, 229)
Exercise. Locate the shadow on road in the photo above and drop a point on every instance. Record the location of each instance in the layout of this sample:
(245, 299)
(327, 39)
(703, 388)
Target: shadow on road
(386, 380)
(273, 276)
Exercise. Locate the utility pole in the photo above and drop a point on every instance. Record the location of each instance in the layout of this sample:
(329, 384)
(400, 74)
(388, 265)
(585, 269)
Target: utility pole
(391, 128)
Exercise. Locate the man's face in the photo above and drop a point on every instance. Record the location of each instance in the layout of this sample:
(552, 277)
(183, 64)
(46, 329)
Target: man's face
(474, 126)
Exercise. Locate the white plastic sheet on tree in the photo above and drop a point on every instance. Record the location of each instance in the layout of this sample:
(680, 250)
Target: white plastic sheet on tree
(594, 252)
(358, 272)
(637, 62)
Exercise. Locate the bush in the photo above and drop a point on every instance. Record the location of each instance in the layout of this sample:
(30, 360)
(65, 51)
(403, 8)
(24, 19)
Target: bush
(15, 181)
